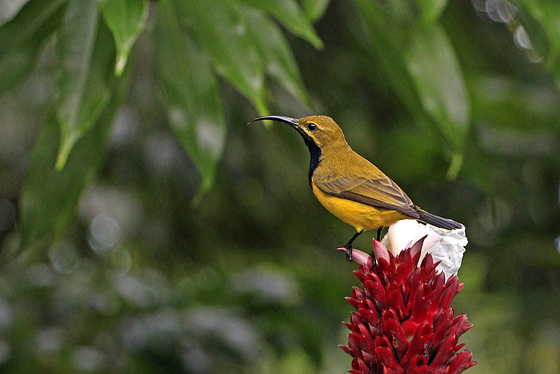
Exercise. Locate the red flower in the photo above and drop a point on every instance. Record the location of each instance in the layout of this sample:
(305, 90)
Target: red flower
(404, 322)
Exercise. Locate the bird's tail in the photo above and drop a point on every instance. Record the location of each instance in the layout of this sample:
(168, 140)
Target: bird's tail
(432, 219)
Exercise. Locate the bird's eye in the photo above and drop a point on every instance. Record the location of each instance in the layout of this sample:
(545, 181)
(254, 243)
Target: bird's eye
(312, 126)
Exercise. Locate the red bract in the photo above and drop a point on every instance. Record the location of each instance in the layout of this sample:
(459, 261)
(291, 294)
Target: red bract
(404, 322)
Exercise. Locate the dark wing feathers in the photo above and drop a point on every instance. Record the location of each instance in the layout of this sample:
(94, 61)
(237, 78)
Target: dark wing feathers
(379, 192)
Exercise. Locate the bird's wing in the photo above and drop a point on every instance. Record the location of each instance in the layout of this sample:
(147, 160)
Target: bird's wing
(379, 191)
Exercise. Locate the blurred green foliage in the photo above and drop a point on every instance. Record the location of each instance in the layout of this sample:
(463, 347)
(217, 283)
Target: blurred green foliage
(145, 228)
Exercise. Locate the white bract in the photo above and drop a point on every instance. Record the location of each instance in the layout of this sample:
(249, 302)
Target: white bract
(446, 246)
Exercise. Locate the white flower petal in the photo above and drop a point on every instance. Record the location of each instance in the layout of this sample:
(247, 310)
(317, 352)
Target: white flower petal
(449, 249)
(446, 246)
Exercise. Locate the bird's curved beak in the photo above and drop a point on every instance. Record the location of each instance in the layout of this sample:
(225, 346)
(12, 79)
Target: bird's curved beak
(294, 122)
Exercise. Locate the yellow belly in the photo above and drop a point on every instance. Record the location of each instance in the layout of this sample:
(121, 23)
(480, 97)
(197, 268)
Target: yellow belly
(361, 216)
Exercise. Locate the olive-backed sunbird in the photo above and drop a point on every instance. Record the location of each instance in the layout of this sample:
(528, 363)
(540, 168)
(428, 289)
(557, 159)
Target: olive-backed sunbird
(351, 187)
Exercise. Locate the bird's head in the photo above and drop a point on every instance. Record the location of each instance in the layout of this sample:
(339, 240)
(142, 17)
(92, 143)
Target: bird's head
(317, 131)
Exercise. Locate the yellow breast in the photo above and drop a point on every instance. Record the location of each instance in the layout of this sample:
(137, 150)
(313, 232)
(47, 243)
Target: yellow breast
(361, 216)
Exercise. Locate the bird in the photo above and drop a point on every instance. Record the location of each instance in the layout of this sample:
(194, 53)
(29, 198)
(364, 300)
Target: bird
(351, 187)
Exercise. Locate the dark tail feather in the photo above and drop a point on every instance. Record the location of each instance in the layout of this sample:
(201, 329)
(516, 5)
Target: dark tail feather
(440, 222)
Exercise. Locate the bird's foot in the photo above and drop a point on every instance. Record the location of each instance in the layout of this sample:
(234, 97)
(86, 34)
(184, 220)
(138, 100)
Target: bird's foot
(347, 249)
(379, 231)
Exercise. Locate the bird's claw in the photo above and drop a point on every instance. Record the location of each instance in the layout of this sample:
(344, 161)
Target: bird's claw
(347, 251)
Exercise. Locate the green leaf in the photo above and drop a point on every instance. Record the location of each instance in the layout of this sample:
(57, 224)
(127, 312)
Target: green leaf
(403, 13)
(276, 53)
(33, 16)
(221, 32)
(126, 20)
(514, 104)
(9, 9)
(49, 197)
(388, 46)
(435, 70)
(423, 71)
(21, 39)
(289, 14)
(541, 19)
(194, 104)
(314, 9)
(83, 82)
(430, 10)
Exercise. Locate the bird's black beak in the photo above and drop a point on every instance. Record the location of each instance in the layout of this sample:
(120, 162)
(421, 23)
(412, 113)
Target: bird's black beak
(309, 141)
(294, 122)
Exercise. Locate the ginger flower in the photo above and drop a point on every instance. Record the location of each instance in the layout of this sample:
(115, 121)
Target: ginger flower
(404, 322)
